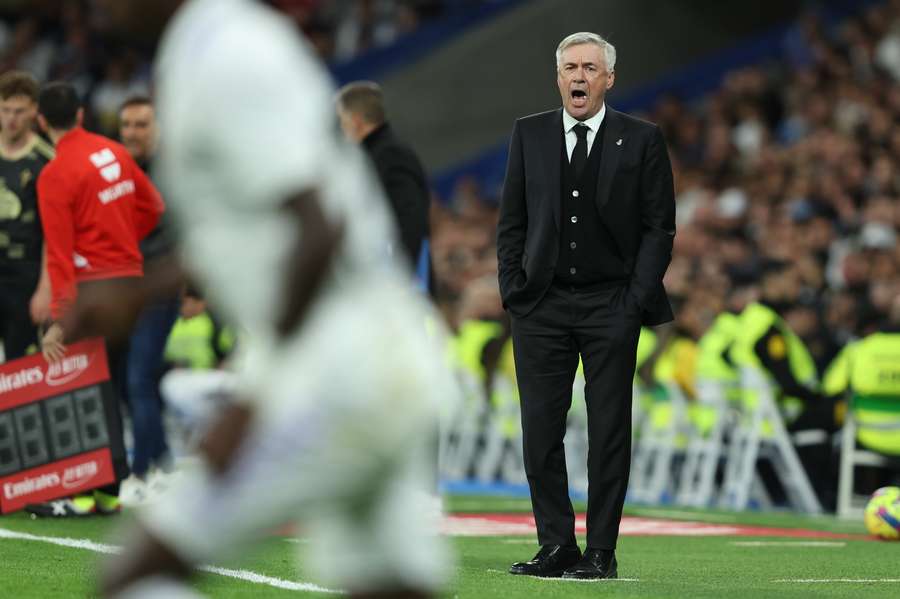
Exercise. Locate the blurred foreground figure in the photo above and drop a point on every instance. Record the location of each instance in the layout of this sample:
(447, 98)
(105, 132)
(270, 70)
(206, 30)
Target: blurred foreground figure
(268, 197)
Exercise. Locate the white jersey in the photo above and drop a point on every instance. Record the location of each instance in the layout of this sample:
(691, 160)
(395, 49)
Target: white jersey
(346, 408)
(247, 120)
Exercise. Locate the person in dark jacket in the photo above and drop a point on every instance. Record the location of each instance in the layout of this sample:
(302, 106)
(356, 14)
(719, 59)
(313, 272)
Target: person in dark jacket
(360, 108)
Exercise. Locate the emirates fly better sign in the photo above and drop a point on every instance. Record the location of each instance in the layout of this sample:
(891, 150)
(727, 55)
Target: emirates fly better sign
(54, 432)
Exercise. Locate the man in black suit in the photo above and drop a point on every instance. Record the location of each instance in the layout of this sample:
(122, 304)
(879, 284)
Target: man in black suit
(587, 222)
(360, 108)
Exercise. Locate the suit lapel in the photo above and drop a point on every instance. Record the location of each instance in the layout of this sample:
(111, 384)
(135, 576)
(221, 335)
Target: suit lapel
(609, 161)
(551, 146)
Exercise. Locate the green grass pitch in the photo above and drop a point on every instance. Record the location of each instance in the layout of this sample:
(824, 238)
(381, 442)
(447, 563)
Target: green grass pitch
(649, 566)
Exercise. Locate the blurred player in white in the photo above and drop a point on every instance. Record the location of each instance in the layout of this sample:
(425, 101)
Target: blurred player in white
(286, 228)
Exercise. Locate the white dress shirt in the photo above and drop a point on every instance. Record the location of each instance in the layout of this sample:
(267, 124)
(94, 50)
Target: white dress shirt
(593, 124)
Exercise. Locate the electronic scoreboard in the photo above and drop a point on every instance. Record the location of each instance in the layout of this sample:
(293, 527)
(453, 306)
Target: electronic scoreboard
(54, 427)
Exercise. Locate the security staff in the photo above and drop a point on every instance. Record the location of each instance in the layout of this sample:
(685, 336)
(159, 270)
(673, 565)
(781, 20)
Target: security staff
(767, 343)
(714, 362)
(870, 370)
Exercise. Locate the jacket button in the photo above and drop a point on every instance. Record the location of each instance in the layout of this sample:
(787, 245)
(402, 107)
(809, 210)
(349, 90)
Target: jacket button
(575, 194)
(574, 219)
(572, 271)
(573, 245)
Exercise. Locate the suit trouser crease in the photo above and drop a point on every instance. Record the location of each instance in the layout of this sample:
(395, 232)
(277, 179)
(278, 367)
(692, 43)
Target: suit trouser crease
(603, 329)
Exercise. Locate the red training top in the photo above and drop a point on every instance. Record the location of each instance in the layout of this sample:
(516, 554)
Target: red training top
(96, 204)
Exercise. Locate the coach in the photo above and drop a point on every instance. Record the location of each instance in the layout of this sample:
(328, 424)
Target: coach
(587, 222)
(363, 118)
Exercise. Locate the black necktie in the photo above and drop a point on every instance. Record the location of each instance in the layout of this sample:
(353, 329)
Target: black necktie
(579, 154)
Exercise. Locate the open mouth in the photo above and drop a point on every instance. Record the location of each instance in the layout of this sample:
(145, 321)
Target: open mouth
(579, 98)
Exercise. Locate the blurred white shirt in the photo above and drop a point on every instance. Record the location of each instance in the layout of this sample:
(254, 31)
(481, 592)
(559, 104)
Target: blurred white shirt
(247, 120)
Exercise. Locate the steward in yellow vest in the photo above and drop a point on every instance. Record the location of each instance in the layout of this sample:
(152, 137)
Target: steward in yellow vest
(197, 339)
(714, 361)
(870, 370)
(765, 341)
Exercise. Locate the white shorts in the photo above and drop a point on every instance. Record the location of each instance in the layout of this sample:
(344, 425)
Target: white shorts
(344, 440)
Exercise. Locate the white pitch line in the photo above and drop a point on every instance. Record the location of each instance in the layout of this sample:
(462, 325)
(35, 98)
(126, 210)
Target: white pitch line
(245, 575)
(559, 579)
(61, 541)
(789, 543)
(832, 580)
(257, 578)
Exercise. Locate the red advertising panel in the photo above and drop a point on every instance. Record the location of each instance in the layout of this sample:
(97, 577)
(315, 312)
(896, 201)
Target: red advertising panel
(57, 479)
(54, 437)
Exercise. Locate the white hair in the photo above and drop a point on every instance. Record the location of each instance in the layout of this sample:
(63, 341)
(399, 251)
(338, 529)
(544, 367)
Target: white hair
(586, 37)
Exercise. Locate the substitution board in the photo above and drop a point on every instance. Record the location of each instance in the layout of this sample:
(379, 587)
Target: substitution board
(54, 426)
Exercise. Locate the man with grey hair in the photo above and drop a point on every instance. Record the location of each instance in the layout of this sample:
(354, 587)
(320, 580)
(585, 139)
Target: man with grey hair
(361, 111)
(587, 223)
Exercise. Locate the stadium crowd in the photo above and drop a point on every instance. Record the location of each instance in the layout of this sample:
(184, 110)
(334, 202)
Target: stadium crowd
(66, 40)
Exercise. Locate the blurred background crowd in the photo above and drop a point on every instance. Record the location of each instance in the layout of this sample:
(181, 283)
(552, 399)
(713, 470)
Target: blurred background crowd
(64, 40)
(797, 163)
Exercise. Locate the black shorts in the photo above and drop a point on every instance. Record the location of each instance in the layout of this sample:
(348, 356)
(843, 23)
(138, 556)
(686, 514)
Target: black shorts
(16, 329)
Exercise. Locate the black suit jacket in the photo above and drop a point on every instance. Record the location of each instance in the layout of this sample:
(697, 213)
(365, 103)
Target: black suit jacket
(403, 178)
(635, 199)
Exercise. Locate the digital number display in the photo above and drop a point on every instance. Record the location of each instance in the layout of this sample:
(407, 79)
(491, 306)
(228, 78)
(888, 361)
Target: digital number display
(53, 429)
(54, 439)
(9, 453)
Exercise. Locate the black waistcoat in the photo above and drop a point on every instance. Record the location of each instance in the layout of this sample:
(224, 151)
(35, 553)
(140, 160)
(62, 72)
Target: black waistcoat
(587, 253)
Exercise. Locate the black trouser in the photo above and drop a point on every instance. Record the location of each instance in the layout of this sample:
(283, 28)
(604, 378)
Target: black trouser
(117, 357)
(547, 342)
(16, 328)
(819, 459)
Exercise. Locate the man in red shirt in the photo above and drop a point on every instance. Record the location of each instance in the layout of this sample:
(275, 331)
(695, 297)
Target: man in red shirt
(96, 204)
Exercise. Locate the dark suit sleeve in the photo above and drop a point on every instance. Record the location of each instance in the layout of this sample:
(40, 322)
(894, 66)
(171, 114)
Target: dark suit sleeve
(657, 219)
(513, 223)
(408, 194)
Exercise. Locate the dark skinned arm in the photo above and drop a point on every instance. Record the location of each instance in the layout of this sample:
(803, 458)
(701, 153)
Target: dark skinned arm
(310, 261)
(109, 308)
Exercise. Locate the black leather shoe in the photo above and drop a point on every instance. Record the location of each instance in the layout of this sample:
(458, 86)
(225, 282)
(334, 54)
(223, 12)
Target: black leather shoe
(595, 565)
(550, 562)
